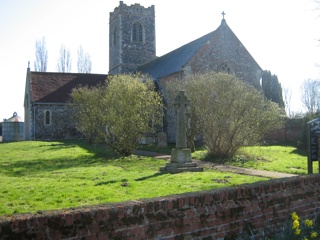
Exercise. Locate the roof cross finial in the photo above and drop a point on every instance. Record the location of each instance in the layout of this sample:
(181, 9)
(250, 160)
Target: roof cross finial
(223, 13)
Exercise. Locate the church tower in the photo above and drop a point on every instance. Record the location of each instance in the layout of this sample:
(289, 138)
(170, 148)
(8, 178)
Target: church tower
(132, 39)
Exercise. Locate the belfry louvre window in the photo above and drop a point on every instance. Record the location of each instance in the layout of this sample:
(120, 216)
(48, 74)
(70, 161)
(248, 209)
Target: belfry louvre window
(115, 36)
(137, 32)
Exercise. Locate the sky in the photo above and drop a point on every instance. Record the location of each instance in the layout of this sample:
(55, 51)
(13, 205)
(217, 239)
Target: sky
(282, 36)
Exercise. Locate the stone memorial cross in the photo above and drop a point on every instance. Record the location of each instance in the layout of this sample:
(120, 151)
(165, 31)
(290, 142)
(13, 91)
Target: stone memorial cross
(181, 159)
(181, 102)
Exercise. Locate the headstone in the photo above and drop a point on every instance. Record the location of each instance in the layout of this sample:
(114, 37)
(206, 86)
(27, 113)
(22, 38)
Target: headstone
(181, 160)
(162, 140)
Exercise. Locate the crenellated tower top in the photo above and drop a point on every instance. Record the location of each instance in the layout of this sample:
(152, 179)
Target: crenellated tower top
(131, 37)
(134, 9)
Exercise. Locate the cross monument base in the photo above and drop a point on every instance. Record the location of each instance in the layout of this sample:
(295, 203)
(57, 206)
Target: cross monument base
(181, 161)
(181, 155)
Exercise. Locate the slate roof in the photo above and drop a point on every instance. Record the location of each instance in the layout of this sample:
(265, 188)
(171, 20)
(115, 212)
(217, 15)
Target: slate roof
(53, 87)
(172, 62)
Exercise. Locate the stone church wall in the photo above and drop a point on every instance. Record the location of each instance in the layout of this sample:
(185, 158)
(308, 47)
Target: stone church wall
(214, 214)
(61, 125)
(126, 55)
(225, 50)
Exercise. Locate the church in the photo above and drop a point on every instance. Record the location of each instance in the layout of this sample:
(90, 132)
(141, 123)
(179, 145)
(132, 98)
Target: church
(132, 48)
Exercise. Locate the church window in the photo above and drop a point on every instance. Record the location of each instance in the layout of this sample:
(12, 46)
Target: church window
(140, 33)
(115, 36)
(226, 68)
(137, 32)
(47, 118)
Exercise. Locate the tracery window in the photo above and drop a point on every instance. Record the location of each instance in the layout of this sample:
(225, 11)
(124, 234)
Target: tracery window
(137, 32)
(226, 68)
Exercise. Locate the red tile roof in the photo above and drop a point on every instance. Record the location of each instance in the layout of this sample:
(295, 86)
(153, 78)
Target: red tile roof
(51, 87)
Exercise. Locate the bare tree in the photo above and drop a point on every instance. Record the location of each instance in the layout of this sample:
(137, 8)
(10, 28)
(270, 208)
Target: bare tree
(310, 95)
(64, 61)
(287, 94)
(40, 64)
(84, 61)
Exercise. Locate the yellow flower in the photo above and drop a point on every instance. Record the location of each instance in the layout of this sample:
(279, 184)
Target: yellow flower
(294, 216)
(308, 223)
(297, 231)
(295, 224)
(314, 235)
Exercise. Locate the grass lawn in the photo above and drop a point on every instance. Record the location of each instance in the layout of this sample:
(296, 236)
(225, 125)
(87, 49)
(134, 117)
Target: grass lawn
(279, 158)
(38, 175)
(285, 158)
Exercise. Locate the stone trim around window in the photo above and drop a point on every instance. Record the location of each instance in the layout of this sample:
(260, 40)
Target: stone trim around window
(137, 33)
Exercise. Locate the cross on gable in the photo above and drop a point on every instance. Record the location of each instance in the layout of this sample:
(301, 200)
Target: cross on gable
(223, 13)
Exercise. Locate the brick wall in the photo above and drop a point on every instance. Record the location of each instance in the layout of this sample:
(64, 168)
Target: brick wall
(215, 214)
(293, 131)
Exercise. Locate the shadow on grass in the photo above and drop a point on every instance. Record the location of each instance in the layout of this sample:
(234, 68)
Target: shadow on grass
(99, 150)
(99, 155)
(151, 176)
(299, 148)
(154, 148)
(110, 182)
(301, 152)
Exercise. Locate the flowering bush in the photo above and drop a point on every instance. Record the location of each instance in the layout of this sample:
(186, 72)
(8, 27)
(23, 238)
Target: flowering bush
(295, 229)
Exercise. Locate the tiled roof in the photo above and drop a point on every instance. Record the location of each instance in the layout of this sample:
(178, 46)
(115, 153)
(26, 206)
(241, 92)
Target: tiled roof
(51, 87)
(173, 61)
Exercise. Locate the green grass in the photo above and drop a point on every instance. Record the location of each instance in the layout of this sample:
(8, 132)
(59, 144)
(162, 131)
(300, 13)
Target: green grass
(37, 176)
(285, 158)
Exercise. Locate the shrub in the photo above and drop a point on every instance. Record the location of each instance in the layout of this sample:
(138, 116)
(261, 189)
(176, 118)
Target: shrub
(227, 112)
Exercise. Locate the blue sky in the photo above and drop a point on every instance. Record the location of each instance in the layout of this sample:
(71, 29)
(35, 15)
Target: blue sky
(281, 35)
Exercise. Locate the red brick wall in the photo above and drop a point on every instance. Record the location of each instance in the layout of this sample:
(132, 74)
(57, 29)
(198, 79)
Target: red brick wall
(292, 131)
(215, 214)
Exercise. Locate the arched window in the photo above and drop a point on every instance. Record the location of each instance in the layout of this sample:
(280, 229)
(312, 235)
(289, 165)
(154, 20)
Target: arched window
(114, 36)
(47, 117)
(137, 32)
(226, 68)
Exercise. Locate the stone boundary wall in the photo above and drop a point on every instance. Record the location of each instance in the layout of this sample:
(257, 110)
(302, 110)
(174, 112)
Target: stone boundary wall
(214, 214)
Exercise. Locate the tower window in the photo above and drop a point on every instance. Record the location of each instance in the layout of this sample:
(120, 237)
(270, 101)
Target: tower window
(115, 36)
(137, 32)
(226, 68)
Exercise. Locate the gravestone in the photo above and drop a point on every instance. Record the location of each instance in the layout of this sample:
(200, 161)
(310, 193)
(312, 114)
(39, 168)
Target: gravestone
(181, 160)
(162, 140)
